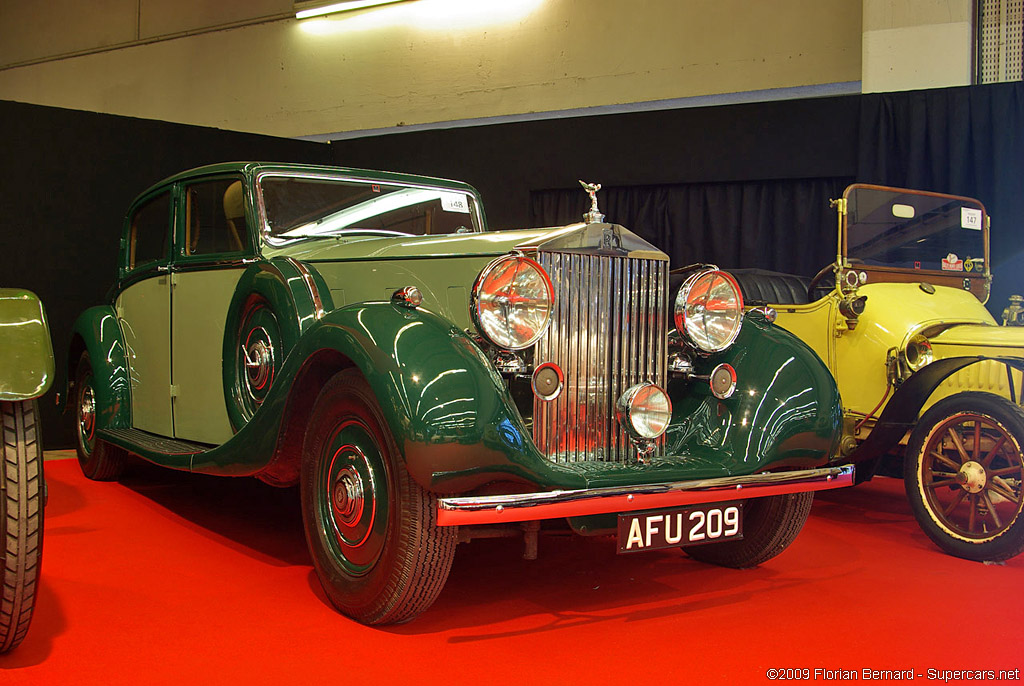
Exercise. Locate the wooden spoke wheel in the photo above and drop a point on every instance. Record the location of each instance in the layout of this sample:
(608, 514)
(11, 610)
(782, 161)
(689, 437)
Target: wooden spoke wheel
(963, 475)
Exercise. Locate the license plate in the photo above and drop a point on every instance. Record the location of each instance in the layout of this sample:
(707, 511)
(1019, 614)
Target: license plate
(642, 531)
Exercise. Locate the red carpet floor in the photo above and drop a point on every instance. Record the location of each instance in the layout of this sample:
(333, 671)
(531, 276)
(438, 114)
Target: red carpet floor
(169, 578)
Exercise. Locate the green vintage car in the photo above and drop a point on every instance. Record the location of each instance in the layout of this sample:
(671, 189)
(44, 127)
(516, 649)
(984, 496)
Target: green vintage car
(926, 373)
(426, 381)
(26, 372)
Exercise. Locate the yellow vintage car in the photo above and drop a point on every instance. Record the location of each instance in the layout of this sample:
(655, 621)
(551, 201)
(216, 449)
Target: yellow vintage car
(924, 371)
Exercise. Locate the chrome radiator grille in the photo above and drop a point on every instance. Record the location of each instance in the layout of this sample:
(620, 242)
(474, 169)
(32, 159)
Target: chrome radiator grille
(608, 332)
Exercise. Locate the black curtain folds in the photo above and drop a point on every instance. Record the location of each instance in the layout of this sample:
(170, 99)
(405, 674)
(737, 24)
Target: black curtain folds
(781, 225)
(967, 141)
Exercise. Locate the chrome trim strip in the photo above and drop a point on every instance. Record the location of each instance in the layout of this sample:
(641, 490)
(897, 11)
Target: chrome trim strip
(521, 507)
(314, 292)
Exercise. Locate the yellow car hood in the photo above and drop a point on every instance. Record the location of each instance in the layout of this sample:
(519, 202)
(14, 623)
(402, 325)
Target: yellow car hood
(977, 335)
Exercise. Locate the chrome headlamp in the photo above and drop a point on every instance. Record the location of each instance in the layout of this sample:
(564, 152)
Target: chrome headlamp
(512, 302)
(709, 310)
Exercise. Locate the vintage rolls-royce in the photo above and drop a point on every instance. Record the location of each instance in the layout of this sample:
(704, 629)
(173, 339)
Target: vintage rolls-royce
(427, 381)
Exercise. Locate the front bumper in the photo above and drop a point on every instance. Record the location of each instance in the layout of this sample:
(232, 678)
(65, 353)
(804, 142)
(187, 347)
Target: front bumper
(521, 507)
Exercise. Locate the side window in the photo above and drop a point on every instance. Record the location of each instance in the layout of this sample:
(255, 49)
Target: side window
(215, 218)
(147, 242)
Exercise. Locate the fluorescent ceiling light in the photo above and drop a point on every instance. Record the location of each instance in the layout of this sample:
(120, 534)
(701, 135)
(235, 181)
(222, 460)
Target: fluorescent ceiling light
(304, 10)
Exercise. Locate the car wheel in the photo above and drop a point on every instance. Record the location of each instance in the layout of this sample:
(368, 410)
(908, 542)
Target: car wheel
(371, 530)
(770, 524)
(99, 460)
(963, 470)
(21, 511)
(256, 356)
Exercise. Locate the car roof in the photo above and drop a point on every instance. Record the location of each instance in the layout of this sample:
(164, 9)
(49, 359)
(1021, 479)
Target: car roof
(250, 168)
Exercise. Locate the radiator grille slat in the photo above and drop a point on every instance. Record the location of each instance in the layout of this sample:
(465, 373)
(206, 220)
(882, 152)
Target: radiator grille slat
(608, 332)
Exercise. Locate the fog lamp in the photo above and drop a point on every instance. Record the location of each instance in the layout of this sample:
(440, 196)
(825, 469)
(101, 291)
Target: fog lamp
(723, 381)
(644, 411)
(547, 381)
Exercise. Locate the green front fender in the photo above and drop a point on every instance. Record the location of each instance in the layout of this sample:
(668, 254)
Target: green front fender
(784, 413)
(26, 354)
(97, 332)
(448, 410)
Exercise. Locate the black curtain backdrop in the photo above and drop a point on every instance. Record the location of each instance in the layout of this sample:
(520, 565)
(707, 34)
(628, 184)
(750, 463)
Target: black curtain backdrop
(753, 142)
(66, 179)
(966, 141)
(778, 225)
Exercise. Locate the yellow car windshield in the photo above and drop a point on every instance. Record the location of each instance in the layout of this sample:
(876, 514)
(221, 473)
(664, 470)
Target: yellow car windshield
(896, 228)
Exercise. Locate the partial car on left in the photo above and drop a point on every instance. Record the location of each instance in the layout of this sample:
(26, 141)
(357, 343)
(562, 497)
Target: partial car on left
(26, 372)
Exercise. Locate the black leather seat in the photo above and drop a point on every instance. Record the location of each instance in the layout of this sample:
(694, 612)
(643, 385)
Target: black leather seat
(760, 286)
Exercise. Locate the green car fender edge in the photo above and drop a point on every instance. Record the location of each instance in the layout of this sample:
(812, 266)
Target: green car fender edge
(447, 408)
(784, 413)
(97, 332)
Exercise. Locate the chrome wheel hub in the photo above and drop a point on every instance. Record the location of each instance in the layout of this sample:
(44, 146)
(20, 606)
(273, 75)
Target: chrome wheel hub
(972, 477)
(347, 497)
(258, 354)
(87, 413)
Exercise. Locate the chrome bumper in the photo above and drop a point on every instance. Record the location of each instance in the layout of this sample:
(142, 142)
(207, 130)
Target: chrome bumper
(521, 507)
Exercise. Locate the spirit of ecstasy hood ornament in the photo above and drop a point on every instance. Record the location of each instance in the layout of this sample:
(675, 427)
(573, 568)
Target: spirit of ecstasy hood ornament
(594, 216)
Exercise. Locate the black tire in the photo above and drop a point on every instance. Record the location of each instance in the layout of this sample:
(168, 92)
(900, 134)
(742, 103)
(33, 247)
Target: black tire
(21, 510)
(99, 460)
(371, 530)
(963, 471)
(770, 524)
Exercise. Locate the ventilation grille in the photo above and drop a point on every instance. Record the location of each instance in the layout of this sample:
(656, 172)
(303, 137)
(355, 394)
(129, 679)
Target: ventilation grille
(608, 332)
(1000, 40)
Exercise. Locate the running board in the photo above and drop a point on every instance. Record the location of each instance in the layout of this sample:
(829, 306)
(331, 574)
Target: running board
(135, 440)
(521, 507)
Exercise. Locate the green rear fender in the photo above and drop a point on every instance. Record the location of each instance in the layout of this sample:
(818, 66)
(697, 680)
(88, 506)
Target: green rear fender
(26, 355)
(280, 286)
(97, 332)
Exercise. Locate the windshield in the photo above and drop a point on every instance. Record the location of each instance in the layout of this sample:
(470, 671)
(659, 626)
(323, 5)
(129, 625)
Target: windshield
(902, 229)
(314, 207)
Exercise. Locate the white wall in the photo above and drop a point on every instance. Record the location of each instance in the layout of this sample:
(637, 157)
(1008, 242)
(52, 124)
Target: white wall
(249, 65)
(913, 44)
